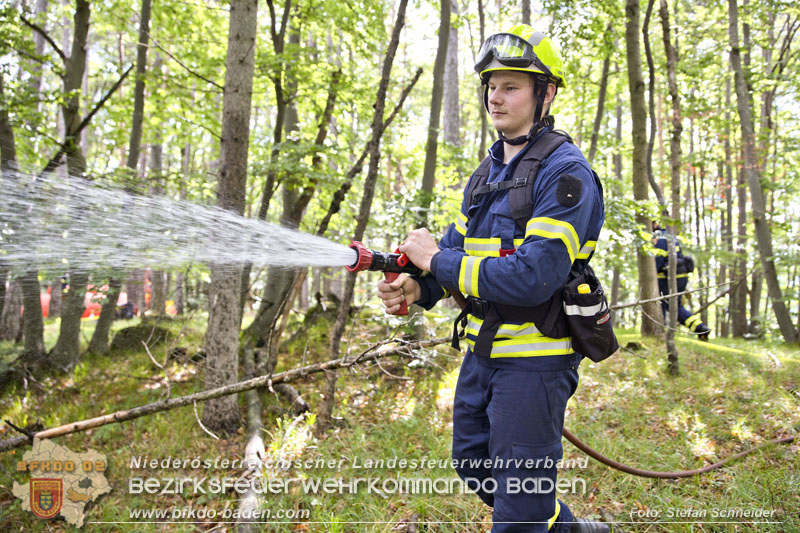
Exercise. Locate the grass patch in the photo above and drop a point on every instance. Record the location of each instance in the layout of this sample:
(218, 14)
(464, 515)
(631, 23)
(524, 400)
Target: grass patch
(730, 396)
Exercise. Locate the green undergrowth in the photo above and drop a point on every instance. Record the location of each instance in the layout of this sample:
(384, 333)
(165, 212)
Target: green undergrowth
(730, 396)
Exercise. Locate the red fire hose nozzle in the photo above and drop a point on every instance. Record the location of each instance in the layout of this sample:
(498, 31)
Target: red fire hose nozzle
(391, 264)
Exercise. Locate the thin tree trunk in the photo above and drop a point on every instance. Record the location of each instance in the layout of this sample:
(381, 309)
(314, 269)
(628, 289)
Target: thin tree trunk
(138, 90)
(452, 128)
(222, 336)
(526, 12)
(481, 110)
(326, 407)
(675, 188)
(56, 295)
(601, 100)
(728, 231)
(425, 196)
(753, 177)
(651, 325)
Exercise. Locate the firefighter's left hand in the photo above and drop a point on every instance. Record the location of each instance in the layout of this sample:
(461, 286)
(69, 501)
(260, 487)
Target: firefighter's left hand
(420, 247)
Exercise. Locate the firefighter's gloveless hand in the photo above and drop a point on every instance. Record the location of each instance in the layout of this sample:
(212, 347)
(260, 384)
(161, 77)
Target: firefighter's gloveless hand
(420, 248)
(393, 293)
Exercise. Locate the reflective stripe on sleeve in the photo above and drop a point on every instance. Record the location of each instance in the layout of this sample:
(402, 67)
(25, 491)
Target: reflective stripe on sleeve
(468, 276)
(550, 228)
(587, 249)
(482, 247)
(461, 223)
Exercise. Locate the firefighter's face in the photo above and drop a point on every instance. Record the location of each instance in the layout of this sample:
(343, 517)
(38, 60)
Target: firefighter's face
(511, 102)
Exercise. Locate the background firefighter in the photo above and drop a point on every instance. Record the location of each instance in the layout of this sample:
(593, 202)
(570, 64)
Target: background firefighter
(685, 267)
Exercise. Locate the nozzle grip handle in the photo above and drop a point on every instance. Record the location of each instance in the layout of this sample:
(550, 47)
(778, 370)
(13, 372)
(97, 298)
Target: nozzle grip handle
(390, 277)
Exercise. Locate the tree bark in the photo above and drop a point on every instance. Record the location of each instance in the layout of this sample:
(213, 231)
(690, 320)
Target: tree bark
(452, 128)
(222, 336)
(601, 100)
(526, 12)
(651, 325)
(138, 90)
(326, 407)
(425, 195)
(753, 178)
(99, 343)
(481, 110)
(10, 319)
(66, 352)
(675, 188)
(32, 322)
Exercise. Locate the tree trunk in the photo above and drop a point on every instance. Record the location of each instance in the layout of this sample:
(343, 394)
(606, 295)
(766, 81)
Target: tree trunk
(452, 128)
(526, 12)
(601, 100)
(66, 352)
(425, 196)
(326, 407)
(481, 110)
(73, 80)
(651, 326)
(10, 319)
(138, 90)
(99, 343)
(753, 178)
(32, 322)
(675, 188)
(222, 336)
(617, 160)
(727, 231)
(56, 294)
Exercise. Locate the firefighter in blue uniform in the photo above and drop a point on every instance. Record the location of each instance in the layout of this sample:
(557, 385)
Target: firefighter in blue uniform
(512, 394)
(685, 317)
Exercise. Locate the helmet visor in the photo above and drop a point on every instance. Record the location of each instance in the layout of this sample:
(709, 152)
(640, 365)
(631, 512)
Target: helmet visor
(510, 50)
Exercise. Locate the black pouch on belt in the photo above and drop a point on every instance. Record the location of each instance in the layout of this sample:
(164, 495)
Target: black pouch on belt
(589, 317)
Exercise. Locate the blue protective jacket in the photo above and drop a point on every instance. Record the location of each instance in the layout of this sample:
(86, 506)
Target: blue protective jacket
(485, 254)
(662, 253)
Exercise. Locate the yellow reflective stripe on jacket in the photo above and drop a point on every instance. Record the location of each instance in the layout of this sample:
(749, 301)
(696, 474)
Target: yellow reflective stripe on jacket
(468, 276)
(520, 340)
(662, 275)
(587, 249)
(482, 247)
(550, 228)
(461, 223)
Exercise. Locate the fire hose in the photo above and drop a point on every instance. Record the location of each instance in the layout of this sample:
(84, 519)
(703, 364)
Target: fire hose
(394, 264)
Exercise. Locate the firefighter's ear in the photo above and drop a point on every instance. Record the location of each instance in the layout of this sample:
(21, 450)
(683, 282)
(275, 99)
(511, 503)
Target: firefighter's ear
(569, 190)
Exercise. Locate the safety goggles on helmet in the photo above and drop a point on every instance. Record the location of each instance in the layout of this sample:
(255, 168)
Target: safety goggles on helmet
(510, 50)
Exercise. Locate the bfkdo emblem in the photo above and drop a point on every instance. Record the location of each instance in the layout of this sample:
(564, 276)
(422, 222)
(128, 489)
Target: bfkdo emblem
(46, 497)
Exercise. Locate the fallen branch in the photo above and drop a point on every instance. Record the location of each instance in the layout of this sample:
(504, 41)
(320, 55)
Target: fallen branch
(378, 352)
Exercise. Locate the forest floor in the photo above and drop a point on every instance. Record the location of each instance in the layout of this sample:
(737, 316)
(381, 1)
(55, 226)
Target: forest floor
(730, 396)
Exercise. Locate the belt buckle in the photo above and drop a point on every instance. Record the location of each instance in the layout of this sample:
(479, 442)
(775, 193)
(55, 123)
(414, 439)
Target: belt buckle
(479, 307)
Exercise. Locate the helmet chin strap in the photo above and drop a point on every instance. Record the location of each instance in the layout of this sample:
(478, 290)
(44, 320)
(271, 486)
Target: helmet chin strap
(540, 83)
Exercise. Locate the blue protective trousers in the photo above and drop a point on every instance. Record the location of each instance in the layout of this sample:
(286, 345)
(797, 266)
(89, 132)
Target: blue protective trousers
(507, 428)
(685, 317)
